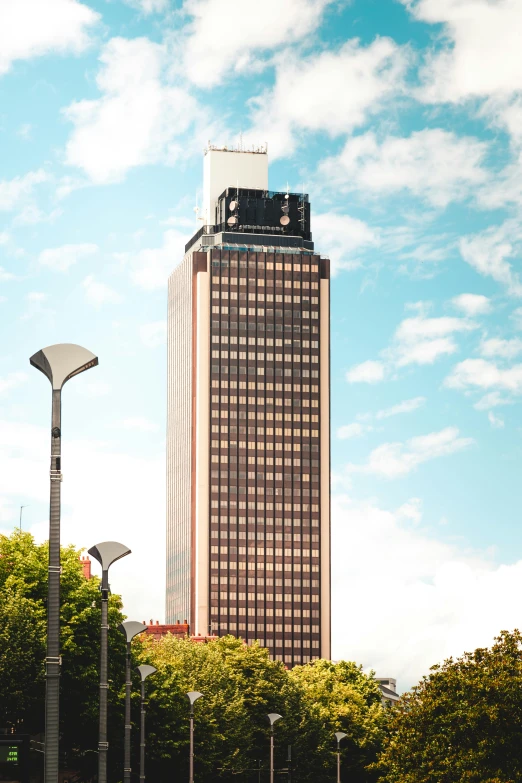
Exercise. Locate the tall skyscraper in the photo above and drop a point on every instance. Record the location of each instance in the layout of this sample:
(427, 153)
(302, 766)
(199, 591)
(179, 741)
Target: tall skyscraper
(248, 445)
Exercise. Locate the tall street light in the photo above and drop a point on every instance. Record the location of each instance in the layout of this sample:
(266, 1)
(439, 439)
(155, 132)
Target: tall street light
(339, 735)
(129, 629)
(106, 554)
(145, 670)
(273, 717)
(58, 363)
(192, 697)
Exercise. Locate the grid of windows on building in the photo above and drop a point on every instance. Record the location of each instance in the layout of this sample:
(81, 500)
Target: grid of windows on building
(265, 498)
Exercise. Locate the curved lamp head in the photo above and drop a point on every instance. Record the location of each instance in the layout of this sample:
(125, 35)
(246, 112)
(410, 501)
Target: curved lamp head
(145, 670)
(108, 552)
(61, 362)
(339, 735)
(192, 696)
(130, 629)
(273, 717)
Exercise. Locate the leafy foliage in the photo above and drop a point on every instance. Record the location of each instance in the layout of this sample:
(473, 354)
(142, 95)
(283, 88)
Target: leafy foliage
(241, 685)
(462, 723)
(23, 593)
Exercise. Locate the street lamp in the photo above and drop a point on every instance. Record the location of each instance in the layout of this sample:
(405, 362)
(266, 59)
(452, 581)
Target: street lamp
(144, 671)
(192, 697)
(58, 363)
(106, 554)
(339, 735)
(129, 629)
(273, 717)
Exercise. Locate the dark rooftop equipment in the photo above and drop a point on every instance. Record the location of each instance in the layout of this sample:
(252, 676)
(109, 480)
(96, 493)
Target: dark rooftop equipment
(253, 210)
(283, 218)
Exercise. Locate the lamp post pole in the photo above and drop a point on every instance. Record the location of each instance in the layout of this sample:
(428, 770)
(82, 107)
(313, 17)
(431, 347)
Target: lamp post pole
(106, 554)
(129, 629)
(145, 670)
(339, 735)
(192, 697)
(273, 717)
(58, 363)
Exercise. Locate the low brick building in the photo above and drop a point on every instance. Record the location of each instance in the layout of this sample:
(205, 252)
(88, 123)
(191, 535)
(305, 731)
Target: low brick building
(154, 628)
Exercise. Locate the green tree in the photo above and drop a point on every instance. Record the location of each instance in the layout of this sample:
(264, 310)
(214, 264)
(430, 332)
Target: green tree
(241, 685)
(240, 682)
(23, 594)
(463, 722)
(340, 697)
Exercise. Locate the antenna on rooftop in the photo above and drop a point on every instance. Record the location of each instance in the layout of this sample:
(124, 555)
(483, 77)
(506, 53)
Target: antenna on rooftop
(196, 209)
(285, 209)
(301, 208)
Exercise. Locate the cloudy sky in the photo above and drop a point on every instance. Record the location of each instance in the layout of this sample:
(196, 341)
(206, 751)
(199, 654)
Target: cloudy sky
(403, 121)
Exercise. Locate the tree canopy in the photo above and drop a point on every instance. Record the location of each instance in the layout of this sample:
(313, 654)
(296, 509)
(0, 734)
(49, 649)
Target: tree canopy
(463, 722)
(23, 597)
(241, 685)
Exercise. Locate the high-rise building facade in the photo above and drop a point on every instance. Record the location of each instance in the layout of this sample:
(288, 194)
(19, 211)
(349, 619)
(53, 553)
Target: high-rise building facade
(248, 444)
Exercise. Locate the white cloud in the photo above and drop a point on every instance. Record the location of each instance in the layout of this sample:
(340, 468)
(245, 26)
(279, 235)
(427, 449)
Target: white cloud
(483, 374)
(418, 340)
(129, 490)
(149, 6)
(334, 91)
(31, 28)
(412, 509)
(504, 190)
(36, 306)
(433, 164)
(340, 237)
(489, 251)
(406, 406)
(153, 334)
(425, 351)
(480, 57)
(62, 258)
(16, 190)
(11, 381)
(137, 118)
(181, 221)
(436, 599)
(495, 347)
(150, 268)
(353, 430)
(140, 424)
(391, 460)
(217, 44)
(516, 317)
(24, 131)
(422, 340)
(496, 421)
(4, 238)
(491, 400)
(472, 304)
(366, 372)
(509, 116)
(5, 276)
(98, 294)
(31, 215)
(361, 425)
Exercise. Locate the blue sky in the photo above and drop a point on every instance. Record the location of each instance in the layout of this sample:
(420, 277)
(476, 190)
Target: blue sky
(402, 120)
